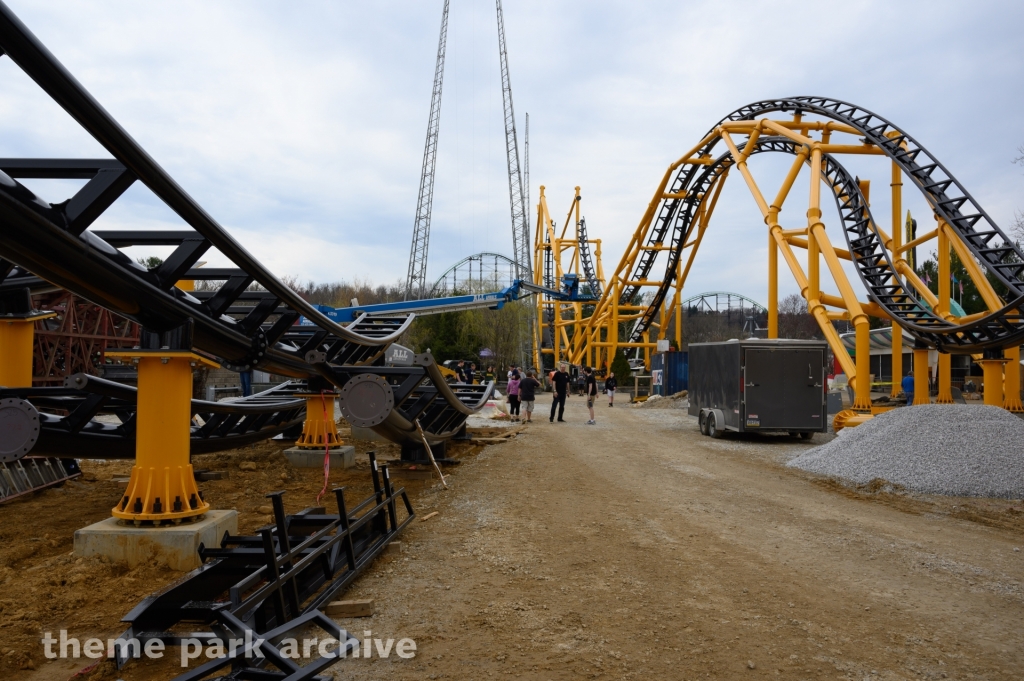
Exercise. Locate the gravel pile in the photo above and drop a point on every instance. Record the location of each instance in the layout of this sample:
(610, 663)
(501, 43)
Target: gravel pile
(959, 450)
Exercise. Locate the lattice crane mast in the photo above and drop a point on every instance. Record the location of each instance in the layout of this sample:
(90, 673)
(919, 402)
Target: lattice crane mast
(520, 228)
(416, 281)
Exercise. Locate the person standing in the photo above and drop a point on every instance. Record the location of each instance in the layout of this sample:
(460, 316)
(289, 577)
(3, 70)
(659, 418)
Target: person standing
(590, 389)
(460, 372)
(513, 397)
(528, 394)
(908, 387)
(610, 384)
(470, 372)
(560, 380)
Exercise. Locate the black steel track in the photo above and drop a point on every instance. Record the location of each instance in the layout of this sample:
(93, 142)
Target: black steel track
(45, 245)
(997, 253)
(220, 425)
(587, 262)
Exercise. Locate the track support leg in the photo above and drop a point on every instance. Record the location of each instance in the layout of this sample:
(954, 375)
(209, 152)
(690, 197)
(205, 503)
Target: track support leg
(319, 429)
(945, 395)
(17, 332)
(992, 369)
(162, 486)
(921, 387)
(1011, 381)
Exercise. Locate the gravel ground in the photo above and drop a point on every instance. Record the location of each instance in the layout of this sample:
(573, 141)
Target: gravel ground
(958, 450)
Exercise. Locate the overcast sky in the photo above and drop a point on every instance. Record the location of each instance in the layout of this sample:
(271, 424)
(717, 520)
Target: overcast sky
(300, 125)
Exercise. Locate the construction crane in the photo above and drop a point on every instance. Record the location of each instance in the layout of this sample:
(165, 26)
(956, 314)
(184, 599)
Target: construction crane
(417, 278)
(520, 228)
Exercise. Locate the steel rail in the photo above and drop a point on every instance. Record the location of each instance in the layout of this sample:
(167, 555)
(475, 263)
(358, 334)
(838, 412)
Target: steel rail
(947, 196)
(872, 261)
(25, 49)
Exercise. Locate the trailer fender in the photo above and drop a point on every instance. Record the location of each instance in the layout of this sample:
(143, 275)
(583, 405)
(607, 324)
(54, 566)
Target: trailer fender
(719, 423)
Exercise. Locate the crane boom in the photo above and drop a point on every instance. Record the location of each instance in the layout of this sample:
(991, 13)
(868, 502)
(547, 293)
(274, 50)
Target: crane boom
(520, 228)
(417, 278)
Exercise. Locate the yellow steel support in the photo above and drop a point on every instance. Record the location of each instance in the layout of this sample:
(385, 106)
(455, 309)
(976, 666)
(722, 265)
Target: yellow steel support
(897, 330)
(992, 373)
(1011, 375)
(162, 486)
(945, 371)
(17, 333)
(921, 387)
(319, 429)
(773, 288)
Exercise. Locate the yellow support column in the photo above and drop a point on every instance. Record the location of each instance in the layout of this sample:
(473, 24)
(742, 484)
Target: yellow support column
(992, 370)
(162, 485)
(1011, 378)
(862, 379)
(773, 287)
(319, 430)
(945, 377)
(897, 241)
(17, 332)
(921, 395)
(897, 360)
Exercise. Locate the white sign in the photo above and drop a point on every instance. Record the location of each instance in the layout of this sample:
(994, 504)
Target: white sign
(663, 345)
(398, 356)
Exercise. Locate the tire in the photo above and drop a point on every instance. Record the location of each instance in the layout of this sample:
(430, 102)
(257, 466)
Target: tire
(713, 429)
(702, 420)
(807, 436)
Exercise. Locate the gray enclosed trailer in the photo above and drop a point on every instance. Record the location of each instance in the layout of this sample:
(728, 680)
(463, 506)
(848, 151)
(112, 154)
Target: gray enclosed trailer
(759, 385)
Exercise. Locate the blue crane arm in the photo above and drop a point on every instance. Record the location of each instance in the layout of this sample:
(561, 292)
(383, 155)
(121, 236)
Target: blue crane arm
(494, 301)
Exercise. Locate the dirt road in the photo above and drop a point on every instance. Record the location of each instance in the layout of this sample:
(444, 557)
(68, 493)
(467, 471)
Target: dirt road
(637, 548)
(634, 548)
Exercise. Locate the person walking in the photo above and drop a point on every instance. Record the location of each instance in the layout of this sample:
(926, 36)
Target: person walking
(528, 394)
(513, 397)
(560, 380)
(590, 388)
(908, 387)
(610, 384)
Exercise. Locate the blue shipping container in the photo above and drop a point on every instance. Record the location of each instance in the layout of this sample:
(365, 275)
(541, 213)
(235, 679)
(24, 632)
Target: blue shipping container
(670, 372)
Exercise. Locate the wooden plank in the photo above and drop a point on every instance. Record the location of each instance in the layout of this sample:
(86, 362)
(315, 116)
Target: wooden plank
(353, 608)
(428, 516)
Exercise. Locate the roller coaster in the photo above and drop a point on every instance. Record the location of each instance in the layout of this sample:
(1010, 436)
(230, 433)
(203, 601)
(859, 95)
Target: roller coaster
(816, 132)
(44, 245)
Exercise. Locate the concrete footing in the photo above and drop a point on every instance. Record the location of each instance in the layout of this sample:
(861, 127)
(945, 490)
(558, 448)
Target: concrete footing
(302, 457)
(176, 546)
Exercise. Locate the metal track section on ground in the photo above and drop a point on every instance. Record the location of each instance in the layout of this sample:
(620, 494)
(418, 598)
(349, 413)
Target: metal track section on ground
(34, 473)
(265, 585)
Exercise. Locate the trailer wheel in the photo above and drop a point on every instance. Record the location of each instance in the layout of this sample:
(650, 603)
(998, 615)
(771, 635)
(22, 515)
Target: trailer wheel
(702, 420)
(713, 429)
(807, 436)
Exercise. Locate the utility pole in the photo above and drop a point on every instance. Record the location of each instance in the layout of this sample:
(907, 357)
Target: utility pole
(416, 281)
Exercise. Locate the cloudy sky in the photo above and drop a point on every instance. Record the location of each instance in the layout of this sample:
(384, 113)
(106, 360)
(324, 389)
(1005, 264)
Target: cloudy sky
(300, 125)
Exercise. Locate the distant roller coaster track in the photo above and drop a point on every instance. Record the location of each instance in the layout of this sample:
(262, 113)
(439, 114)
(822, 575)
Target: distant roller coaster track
(686, 198)
(47, 245)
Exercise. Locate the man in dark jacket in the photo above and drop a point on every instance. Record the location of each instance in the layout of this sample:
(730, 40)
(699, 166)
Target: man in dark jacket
(610, 384)
(528, 393)
(560, 379)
